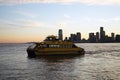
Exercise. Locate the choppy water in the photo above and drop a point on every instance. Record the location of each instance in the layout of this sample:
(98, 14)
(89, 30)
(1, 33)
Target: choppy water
(101, 62)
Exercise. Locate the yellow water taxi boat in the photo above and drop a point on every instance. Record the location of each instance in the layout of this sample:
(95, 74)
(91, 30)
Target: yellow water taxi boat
(53, 46)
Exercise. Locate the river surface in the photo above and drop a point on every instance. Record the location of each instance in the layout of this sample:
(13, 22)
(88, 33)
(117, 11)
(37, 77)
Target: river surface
(101, 62)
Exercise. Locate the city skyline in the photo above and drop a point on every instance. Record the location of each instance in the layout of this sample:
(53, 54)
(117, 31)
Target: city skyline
(33, 20)
(94, 37)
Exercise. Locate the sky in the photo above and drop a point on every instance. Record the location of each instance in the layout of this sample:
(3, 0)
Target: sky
(33, 20)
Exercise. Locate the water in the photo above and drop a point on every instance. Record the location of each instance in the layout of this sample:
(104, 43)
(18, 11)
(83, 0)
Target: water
(101, 62)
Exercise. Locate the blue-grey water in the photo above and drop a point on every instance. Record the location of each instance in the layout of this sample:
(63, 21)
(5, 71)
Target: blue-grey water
(101, 62)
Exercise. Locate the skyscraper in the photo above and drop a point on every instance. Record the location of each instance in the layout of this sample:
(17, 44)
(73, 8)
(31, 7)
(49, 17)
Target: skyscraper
(97, 36)
(92, 38)
(78, 36)
(60, 34)
(117, 38)
(102, 34)
(72, 37)
(113, 36)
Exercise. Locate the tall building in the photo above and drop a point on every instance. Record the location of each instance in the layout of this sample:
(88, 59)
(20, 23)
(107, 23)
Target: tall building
(97, 37)
(60, 34)
(117, 38)
(72, 37)
(102, 35)
(113, 36)
(78, 36)
(92, 38)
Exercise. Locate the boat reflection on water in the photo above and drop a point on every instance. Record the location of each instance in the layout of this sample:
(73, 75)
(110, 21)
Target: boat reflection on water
(55, 58)
(54, 67)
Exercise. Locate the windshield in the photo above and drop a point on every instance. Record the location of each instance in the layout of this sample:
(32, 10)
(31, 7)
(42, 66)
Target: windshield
(32, 46)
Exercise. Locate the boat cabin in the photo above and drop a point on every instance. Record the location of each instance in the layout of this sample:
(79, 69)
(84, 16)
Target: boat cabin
(53, 42)
(51, 38)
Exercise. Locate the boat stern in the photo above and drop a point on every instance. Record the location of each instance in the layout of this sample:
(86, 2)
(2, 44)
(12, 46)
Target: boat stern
(31, 51)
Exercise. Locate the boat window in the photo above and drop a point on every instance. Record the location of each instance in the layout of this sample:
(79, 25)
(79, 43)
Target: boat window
(66, 46)
(63, 46)
(60, 46)
(57, 46)
(32, 46)
(42, 46)
(69, 46)
(54, 46)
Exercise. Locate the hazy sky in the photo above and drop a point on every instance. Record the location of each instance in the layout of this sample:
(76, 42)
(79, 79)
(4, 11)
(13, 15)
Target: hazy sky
(33, 20)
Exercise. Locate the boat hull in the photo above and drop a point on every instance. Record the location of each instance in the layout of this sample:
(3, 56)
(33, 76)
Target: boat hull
(53, 51)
